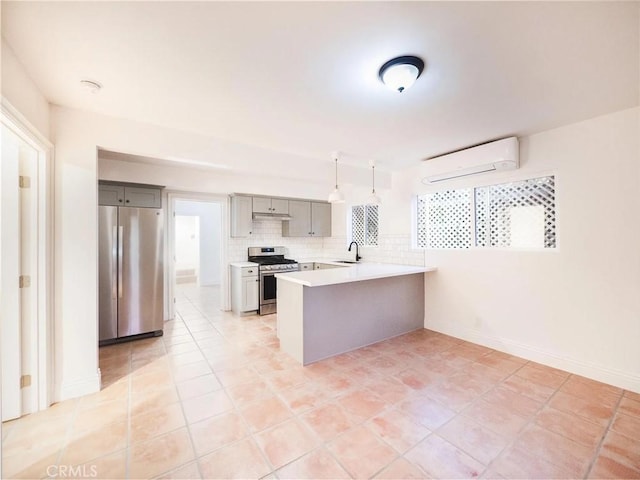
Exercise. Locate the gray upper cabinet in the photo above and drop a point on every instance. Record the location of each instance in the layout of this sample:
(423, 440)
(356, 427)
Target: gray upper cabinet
(320, 219)
(110, 195)
(241, 216)
(270, 205)
(308, 219)
(129, 196)
(300, 223)
(142, 197)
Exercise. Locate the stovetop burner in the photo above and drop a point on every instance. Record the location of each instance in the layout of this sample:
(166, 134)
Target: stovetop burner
(272, 260)
(270, 257)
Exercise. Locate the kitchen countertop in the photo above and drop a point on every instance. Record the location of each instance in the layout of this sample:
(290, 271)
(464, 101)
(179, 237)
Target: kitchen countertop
(243, 264)
(350, 273)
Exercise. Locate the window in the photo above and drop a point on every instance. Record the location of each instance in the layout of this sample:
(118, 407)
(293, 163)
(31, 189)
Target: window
(445, 219)
(518, 214)
(364, 225)
(508, 215)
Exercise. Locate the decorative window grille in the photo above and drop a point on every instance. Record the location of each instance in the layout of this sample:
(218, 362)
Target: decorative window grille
(445, 219)
(364, 225)
(509, 215)
(518, 214)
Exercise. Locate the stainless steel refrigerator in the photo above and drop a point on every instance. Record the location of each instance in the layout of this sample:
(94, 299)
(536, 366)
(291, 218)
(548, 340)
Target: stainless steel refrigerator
(130, 272)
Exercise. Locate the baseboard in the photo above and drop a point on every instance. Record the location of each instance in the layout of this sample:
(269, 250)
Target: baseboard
(618, 378)
(78, 388)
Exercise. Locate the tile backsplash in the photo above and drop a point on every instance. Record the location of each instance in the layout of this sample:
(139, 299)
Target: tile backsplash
(391, 248)
(268, 233)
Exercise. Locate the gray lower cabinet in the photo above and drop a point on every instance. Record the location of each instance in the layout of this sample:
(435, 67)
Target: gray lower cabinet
(129, 196)
(326, 266)
(245, 291)
(308, 219)
(241, 216)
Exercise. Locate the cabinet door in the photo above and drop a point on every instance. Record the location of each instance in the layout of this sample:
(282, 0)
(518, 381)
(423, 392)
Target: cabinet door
(250, 293)
(278, 205)
(321, 219)
(262, 205)
(142, 197)
(300, 223)
(110, 195)
(241, 216)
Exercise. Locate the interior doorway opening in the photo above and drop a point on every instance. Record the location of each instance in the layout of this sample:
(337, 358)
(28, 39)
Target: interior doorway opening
(187, 241)
(197, 251)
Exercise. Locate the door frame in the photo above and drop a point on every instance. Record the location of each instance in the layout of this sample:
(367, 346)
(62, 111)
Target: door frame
(171, 197)
(41, 347)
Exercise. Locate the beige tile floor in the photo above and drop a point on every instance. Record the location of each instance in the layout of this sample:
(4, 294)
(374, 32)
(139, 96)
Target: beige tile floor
(215, 398)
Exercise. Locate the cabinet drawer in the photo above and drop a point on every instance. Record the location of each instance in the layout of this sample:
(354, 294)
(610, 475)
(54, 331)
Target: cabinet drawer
(249, 271)
(306, 266)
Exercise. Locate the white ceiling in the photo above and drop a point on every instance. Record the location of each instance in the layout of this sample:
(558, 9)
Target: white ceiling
(301, 77)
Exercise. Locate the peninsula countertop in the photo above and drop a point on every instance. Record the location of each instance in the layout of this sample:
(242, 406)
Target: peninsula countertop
(351, 273)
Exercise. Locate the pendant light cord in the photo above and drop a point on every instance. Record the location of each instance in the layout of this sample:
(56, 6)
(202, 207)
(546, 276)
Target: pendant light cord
(373, 179)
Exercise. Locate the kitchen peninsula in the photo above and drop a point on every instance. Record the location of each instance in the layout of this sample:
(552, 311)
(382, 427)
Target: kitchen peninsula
(322, 313)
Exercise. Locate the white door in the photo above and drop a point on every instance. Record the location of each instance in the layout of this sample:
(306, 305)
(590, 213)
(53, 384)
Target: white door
(9, 279)
(18, 275)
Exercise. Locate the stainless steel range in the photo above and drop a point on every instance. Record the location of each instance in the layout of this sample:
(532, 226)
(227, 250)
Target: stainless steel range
(271, 261)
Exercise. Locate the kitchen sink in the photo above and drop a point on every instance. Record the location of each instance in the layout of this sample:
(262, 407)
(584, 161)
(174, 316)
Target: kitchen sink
(345, 261)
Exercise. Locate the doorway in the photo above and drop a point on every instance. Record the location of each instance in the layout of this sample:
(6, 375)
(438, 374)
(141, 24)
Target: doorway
(197, 239)
(25, 268)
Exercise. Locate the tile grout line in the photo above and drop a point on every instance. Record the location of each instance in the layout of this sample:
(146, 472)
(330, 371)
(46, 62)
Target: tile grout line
(476, 400)
(604, 435)
(186, 421)
(250, 434)
(127, 464)
(68, 436)
(532, 422)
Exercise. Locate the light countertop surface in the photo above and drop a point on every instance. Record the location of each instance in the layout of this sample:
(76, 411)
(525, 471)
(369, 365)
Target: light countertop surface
(243, 264)
(350, 273)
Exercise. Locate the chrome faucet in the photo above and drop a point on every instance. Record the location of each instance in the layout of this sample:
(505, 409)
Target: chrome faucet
(358, 257)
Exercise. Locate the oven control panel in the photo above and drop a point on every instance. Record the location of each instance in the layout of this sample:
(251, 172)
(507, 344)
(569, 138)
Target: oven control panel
(291, 267)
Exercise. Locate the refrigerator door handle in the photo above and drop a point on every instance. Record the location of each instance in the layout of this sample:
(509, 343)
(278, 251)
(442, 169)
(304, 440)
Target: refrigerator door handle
(114, 262)
(120, 250)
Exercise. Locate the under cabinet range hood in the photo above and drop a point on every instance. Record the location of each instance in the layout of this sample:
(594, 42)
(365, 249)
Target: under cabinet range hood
(272, 216)
(485, 158)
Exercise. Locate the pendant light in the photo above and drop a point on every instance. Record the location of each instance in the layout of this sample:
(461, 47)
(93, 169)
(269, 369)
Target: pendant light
(373, 199)
(336, 196)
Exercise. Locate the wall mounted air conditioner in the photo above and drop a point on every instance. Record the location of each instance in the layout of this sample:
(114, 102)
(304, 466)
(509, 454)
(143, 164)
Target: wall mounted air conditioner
(489, 157)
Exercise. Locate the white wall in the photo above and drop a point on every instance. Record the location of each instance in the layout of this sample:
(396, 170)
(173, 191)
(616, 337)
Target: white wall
(187, 243)
(576, 307)
(210, 239)
(22, 93)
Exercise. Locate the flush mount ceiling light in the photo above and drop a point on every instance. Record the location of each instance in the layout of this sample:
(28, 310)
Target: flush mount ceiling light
(336, 196)
(401, 72)
(373, 199)
(91, 85)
